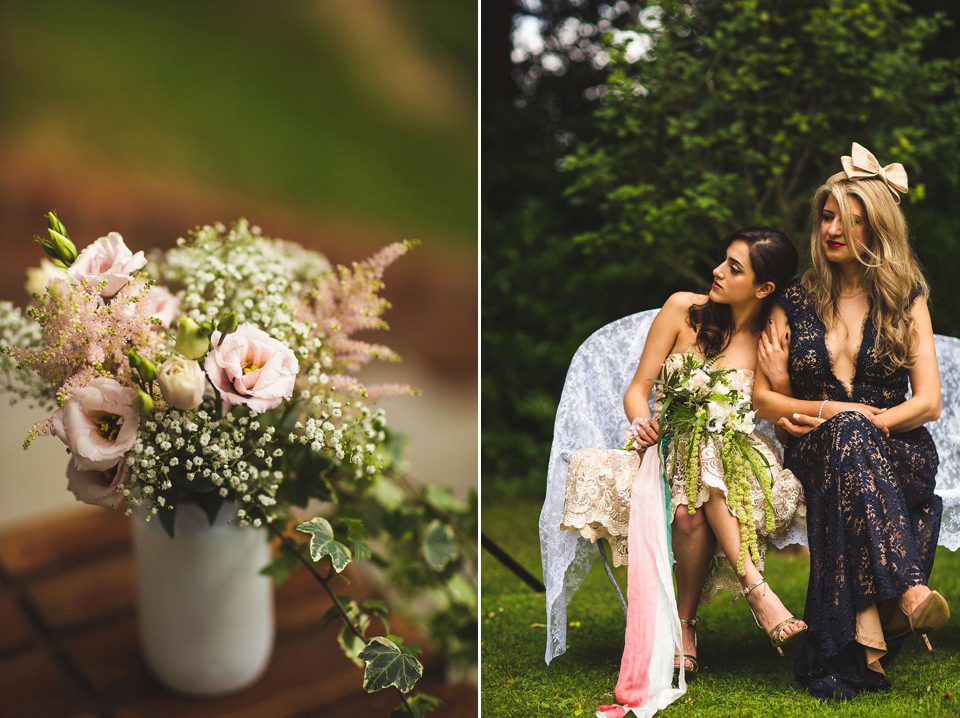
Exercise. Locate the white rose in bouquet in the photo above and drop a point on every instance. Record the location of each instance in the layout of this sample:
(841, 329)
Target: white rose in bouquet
(181, 382)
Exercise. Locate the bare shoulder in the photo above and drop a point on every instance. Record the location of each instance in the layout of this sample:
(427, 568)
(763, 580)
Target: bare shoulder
(680, 302)
(921, 316)
(676, 311)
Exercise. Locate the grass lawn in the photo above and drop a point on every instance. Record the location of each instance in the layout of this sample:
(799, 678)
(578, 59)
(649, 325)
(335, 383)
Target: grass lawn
(740, 672)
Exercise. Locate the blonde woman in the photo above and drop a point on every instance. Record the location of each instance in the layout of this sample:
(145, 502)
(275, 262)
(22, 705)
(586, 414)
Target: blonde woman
(859, 329)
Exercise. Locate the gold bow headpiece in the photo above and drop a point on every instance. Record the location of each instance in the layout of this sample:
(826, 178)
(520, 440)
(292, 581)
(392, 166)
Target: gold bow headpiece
(861, 164)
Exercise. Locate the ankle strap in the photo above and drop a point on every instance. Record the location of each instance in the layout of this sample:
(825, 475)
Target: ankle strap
(750, 588)
(690, 622)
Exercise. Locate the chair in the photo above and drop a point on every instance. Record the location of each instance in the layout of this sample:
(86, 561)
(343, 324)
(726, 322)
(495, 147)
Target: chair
(590, 414)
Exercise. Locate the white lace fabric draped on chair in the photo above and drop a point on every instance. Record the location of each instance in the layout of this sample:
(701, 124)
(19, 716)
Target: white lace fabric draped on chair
(590, 415)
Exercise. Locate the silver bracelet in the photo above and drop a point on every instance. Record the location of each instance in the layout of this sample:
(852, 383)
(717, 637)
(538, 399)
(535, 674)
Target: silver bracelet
(820, 413)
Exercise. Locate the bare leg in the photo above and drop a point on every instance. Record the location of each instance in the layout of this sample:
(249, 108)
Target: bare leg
(767, 607)
(693, 544)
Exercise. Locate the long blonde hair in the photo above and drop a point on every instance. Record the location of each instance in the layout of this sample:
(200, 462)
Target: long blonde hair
(891, 273)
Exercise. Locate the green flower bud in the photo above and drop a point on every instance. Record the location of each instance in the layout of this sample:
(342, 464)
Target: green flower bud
(58, 247)
(142, 403)
(146, 369)
(54, 223)
(192, 339)
(227, 323)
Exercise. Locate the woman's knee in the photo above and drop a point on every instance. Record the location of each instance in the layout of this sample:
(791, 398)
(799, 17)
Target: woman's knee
(852, 421)
(688, 523)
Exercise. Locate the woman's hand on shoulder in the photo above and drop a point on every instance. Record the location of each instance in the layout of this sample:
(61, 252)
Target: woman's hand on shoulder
(773, 352)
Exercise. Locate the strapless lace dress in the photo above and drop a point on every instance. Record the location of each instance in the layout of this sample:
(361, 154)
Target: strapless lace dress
(597, 500)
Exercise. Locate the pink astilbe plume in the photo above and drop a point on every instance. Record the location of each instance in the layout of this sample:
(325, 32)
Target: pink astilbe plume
(389, 391)
(353, 353)
(346, 301)
(86, 337)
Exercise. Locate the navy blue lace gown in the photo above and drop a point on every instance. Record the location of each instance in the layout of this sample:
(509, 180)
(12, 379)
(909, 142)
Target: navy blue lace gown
(872, 516)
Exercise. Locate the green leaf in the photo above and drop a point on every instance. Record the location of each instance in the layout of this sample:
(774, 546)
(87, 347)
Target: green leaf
(281, 566)
(168, 512)
(376, 605)
(439, 546)
(333, 613)
(420, 703)
(350, 643)
(387, 666)
(355, 527)
(323, 544)
(361, 549)
(210, 502)
(441, 497)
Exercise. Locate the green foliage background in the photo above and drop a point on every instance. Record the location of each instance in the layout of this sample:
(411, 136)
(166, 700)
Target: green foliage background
(606, 190)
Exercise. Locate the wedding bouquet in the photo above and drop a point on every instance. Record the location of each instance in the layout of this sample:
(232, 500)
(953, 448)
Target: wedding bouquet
(698, 402)
(223, 372)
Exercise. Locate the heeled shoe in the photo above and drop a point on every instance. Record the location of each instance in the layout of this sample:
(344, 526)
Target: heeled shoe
(932, 613)
(688, 673)
(775, 634)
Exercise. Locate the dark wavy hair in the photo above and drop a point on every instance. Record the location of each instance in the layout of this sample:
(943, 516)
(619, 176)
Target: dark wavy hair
(773, 259)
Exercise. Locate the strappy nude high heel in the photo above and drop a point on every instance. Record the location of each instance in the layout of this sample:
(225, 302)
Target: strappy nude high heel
(775, 634)
(688, 673)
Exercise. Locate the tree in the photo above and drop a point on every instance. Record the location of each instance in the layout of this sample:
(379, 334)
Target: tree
(736, 112)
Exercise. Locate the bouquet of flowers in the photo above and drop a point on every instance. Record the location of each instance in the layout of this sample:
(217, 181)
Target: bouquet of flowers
(699, 402)
(223, 371)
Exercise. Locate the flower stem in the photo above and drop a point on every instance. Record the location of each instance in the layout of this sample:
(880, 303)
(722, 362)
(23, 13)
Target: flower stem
(325, 582)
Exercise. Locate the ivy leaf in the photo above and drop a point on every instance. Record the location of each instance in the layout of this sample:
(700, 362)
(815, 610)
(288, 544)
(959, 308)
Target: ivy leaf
(281, 566)
(439, 546)
(361, 549)
(355, 527)
(323, 544)
(376, 605)
(441, 498)
(387, 666)
(350, 643)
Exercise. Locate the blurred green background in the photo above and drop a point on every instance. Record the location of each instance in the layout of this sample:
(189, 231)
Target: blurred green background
(364, 109)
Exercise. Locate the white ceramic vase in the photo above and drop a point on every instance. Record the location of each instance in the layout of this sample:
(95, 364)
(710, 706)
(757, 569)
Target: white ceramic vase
(206, 614)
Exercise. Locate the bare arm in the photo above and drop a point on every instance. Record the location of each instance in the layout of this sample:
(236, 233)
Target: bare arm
(799, 417)
(773, 351)
(926, 401)
(775, 404)
(661, 339)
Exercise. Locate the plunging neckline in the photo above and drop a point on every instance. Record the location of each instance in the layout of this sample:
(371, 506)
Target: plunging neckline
(848, 389)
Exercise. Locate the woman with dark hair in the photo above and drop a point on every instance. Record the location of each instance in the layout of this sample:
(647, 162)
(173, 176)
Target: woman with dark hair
(725, 325)
(859, 329)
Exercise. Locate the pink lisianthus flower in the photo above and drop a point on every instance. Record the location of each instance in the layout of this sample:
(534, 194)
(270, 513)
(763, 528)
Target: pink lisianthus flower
(251, 367)
(98, 423)
(108, 259)
(99, 488)
(160, 304)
